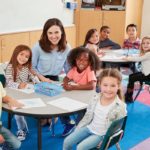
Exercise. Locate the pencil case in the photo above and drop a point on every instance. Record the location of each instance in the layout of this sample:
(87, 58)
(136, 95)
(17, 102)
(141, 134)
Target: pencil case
(49, 89)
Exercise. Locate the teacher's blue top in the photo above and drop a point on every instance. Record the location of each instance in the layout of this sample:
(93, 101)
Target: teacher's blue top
(49, 63)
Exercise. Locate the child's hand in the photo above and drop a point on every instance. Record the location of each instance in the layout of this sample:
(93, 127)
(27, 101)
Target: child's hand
(68, 87)
(2, 140)
(14, 103)
(22, 85)
(92, 47)
(126, 58)
(100, 53)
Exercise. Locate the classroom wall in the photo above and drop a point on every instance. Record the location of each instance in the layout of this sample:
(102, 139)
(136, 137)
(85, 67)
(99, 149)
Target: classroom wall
(29, 15)
(146, 19)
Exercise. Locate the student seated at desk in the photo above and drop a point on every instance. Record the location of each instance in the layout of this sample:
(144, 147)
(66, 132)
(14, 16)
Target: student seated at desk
(143, 75)
(103, 109)
(84, 64)
(18, 74)
(132, 42)
(92, 42)
(105, 42)
(7, 139)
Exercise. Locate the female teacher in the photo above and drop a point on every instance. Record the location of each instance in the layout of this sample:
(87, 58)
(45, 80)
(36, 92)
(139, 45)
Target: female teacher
(49, 57)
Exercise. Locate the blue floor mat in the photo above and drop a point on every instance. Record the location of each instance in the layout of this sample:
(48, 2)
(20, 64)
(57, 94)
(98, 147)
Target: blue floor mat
(137, 130)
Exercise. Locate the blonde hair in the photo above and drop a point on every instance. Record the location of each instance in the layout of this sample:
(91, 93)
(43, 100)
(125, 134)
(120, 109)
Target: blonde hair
(142, 52)
(111, 72)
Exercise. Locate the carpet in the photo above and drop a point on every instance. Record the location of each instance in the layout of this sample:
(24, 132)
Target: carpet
(143, 145)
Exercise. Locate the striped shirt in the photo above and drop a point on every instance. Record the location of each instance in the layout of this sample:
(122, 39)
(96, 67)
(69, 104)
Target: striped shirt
(23, 75)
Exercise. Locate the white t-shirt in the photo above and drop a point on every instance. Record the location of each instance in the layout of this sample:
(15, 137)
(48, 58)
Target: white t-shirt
(98, 124)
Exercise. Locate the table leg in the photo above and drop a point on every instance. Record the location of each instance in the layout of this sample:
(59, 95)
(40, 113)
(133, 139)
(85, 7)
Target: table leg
(53, 126)
(9, 120)
(39, 135)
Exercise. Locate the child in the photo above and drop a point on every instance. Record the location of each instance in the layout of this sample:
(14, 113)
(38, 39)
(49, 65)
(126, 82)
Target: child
(105, 42)
(5, 135)
(18, 74)
(92, 42)
(144, 58)
(103, 109)
(133, 42)
(84, 64)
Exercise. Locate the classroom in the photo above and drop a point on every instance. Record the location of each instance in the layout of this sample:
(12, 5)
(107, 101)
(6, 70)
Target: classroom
(74, 75)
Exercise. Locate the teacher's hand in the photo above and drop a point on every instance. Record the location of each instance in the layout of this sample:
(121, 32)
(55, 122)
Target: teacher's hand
(44, 79)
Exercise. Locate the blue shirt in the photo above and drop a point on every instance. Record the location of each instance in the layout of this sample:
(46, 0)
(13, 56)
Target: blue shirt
(48, 63)
(107, 42)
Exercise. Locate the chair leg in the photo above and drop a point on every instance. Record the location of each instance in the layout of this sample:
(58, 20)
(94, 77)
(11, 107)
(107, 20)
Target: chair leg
(137, 93)
(118, 146)
(53, 126)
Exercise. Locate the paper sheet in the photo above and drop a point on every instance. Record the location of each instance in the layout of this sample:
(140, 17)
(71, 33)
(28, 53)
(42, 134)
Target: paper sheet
(31, 103)
(28, 90)
(68, 104)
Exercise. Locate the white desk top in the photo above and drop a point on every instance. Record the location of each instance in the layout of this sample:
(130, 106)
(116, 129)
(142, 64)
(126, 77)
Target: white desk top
(49, 110)
(117, 55)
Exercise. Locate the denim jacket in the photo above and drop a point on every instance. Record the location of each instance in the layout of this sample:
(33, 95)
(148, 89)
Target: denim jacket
(117, 111)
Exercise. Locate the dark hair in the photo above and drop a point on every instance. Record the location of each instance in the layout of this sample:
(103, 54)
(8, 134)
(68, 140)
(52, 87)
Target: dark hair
(14, 61)
(89, 35)
(131, 25)
(45, 44)
(111, 72)
(93, 58)
(104, 27)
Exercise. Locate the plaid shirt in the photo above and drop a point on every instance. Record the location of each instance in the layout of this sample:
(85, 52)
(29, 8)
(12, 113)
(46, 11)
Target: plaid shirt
(129, 45)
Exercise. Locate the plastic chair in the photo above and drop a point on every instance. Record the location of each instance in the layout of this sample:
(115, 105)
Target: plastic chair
(113, 135)
(140, 89)
(2, 79)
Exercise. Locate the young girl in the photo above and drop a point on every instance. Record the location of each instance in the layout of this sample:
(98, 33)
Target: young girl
(84, 64)
(144, 75)
(92, 40)
(18, 74)
(103, 109)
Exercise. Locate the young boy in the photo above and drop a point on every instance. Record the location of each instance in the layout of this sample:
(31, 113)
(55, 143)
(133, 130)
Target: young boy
(11, 142)
(133, 42)
(105, 42)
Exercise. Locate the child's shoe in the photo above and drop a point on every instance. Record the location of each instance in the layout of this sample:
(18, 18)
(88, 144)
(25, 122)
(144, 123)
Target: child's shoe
(68, 129)
(21, 135)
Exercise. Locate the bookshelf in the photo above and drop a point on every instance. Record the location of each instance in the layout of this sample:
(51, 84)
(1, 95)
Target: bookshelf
(86, 19)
